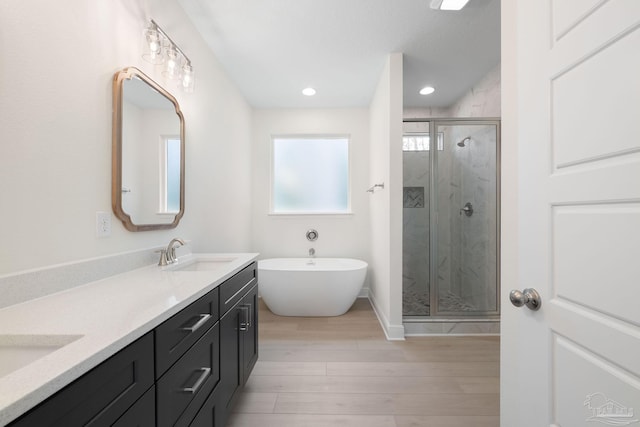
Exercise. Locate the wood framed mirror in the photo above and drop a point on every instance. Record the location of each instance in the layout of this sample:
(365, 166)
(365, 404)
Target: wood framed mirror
(147, 183)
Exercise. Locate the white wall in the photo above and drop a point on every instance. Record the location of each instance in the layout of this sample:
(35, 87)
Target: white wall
(509, 256)
(385, 121)
(56, 68)
(284, 235)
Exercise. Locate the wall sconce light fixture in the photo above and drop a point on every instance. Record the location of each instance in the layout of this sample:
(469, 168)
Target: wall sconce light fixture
(159, 49)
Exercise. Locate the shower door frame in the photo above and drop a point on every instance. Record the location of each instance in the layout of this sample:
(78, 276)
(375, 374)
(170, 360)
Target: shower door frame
(434, 313)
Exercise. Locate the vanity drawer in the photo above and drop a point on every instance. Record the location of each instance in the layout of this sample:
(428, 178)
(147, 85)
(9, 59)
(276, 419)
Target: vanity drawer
(232, 290)
(184, 388)
(142, 414)
(177, 334)
(102, 395)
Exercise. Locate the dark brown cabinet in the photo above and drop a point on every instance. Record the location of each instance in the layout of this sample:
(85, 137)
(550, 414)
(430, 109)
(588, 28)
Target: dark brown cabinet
(182, 390)
(187, 372)
(239, 339)
(177, 334)
(142, 413)
(249, 337)
(102, 395)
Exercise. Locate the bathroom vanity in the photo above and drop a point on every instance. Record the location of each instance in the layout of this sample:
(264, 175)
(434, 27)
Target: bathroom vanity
(153, 347)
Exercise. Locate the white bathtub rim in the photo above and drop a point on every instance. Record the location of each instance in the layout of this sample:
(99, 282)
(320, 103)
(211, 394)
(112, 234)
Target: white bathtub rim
(312, 264)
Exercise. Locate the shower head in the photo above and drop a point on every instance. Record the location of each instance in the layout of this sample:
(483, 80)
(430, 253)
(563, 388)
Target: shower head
(461, 143)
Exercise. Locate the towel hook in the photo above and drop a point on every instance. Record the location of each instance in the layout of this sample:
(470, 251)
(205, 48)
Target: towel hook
(373, 189)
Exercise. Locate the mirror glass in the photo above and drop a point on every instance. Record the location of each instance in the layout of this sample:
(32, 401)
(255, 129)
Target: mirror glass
(148, 154)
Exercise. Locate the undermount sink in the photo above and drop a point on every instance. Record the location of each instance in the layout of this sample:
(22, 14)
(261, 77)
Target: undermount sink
(18, 351)
(202, 264)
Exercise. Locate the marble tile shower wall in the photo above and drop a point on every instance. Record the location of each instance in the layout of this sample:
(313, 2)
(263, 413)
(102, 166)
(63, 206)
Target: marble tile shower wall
(467, 245)
(415, 230)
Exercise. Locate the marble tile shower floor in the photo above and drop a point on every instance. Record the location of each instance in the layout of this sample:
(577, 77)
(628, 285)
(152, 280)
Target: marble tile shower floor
(341, 371)
(416, 303)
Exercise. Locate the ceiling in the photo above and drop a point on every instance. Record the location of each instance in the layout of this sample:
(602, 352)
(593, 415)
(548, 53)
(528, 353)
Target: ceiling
(272, 49)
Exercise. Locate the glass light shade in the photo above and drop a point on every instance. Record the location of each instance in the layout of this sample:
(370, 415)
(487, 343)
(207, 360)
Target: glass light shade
(152, 46)
(188, 78)
(173, 65)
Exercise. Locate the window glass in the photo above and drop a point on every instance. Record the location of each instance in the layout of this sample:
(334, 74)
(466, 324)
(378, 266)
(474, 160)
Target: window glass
(420, 142)
(172, 175)
(310, 175)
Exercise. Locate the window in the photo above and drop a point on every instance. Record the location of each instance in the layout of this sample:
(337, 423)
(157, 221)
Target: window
(310, 175)
(170, 174)
(420, 142)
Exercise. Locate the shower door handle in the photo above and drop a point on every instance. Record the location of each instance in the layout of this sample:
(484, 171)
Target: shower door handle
(529, 297)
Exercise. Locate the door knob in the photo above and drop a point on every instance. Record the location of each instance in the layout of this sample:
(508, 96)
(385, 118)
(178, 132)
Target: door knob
(529, 297)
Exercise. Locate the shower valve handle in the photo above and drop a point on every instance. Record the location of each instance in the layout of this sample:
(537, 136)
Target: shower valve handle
(467, 209)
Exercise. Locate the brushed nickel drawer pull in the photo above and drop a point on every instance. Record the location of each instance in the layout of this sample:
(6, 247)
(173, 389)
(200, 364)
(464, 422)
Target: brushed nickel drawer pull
(249, 315)
(245, 319)
(201, 379)
(198, 324)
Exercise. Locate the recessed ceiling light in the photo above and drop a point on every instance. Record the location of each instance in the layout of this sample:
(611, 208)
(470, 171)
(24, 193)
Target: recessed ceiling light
(309, 91)
(427, 90)
(448, 4)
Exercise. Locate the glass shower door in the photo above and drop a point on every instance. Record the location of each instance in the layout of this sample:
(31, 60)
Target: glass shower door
(464, 238)
(416, 160)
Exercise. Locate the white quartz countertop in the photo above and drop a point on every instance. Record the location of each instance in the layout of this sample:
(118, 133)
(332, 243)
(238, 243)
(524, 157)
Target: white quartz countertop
(97, 320)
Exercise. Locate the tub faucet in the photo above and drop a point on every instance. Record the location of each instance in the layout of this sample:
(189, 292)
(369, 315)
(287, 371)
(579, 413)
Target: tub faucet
(171, 250)
(312, 252)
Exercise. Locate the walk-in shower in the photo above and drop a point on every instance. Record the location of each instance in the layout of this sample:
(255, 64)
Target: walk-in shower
(450, 219)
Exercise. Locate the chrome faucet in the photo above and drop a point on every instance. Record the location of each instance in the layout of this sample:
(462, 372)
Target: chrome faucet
(312, 252)
(171, 250)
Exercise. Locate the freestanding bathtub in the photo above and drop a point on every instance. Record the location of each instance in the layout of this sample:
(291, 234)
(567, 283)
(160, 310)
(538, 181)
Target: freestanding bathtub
(310, 286)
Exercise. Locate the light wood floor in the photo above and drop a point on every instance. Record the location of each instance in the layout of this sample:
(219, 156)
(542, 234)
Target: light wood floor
(341, 371)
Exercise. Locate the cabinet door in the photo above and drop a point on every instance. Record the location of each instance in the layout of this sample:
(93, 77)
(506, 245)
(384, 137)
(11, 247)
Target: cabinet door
(102, 395)
(249, 337)
(230, 379)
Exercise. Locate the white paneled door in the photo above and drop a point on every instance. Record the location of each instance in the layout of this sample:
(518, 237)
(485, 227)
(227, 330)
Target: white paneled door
(576, 82)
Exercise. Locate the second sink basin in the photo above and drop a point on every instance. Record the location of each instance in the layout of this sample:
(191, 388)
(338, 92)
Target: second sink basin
(17, 351)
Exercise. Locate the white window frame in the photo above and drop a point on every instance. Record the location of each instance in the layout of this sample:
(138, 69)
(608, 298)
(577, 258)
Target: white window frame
(348, 210)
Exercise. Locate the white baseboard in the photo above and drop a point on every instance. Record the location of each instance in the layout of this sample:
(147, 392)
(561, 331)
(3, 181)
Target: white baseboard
(392, 332)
